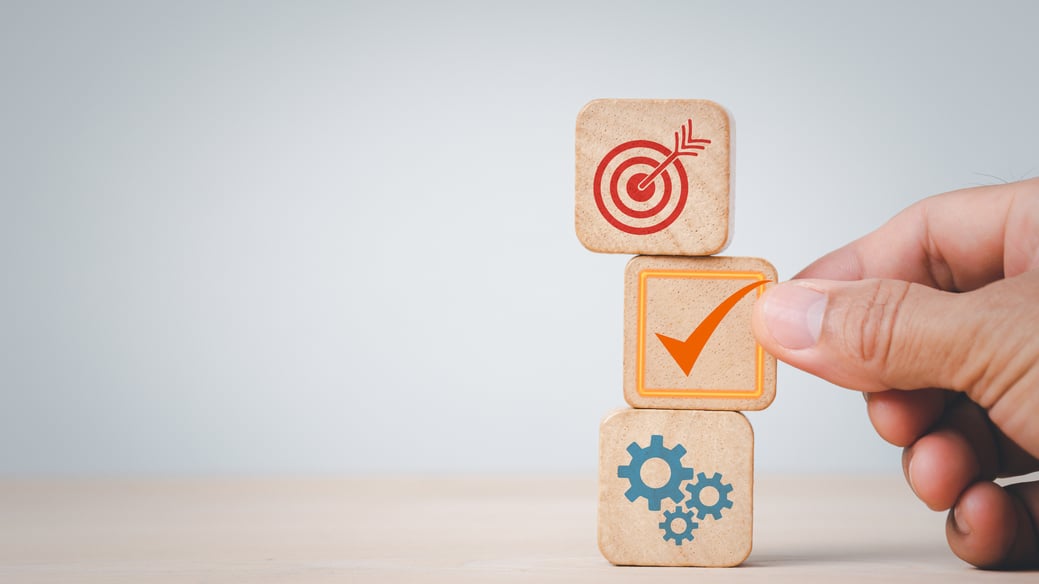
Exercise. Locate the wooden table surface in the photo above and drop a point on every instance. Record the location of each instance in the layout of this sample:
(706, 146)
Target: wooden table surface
(428, 529)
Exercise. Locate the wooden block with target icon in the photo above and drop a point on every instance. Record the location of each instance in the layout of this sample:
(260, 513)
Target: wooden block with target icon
(676, 488)
(688, 342)
(653, 177)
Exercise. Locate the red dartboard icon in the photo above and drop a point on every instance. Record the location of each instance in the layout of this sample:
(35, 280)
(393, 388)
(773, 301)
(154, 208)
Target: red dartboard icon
(641, 186)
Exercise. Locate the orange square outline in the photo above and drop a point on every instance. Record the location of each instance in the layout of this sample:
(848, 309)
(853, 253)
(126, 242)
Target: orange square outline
(640, 359)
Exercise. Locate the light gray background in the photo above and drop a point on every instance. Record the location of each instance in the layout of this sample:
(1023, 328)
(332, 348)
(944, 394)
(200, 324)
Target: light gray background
(337, 237)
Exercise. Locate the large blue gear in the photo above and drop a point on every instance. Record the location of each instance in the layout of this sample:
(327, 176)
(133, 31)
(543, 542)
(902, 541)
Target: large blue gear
(633, 472)
(685, 534)
(696, 488)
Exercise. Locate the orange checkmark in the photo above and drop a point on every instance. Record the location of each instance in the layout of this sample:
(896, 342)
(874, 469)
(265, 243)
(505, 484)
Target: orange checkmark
(686, 352)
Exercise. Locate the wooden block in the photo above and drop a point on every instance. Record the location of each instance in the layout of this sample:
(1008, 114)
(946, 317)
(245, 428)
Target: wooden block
(675, 488)
(653, 177)
(687, 336)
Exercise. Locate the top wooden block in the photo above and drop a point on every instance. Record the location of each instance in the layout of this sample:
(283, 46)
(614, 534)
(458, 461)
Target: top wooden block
(653, 177)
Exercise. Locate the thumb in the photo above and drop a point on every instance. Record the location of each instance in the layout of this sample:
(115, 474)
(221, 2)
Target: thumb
(869, 335)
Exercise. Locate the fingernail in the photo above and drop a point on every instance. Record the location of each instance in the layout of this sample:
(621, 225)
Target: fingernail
(959, 522)
(794, 315)
(909, 470)
(865, 396)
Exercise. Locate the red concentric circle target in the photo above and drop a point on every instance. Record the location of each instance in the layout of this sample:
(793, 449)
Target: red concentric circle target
(640, 211)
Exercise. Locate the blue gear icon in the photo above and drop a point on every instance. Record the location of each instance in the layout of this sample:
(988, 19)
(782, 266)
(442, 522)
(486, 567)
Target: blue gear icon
(678, 536)
(695, 489)
(633, 472)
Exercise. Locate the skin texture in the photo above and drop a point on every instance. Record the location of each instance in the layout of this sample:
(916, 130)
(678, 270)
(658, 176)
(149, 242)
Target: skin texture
(935, 317)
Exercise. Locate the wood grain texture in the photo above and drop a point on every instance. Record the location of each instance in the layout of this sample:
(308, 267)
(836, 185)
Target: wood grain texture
(672, 297)
(422, 529)
(621, 138)
(703, 459)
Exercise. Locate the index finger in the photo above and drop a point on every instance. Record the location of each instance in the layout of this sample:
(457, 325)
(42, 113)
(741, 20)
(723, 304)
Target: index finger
(957, 241)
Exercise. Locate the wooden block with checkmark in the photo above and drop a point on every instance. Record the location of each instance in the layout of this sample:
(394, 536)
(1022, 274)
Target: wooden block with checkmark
(687, 335)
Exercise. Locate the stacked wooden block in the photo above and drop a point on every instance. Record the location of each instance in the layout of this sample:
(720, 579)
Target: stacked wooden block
(676, 470)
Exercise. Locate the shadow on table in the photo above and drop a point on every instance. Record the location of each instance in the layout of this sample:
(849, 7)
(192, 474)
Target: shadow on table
(901, 554)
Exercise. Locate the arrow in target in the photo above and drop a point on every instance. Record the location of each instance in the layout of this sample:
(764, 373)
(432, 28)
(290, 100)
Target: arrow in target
(684, 146)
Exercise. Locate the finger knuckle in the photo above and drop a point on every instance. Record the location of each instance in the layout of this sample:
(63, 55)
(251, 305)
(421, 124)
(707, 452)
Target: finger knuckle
(874, 321)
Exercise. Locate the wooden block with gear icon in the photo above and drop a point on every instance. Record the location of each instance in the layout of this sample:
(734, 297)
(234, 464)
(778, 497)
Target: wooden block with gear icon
(676, 488)
(687, 336)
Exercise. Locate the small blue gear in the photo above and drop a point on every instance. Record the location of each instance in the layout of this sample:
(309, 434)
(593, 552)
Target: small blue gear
(702, 482)
(680, 536)
(633, 472)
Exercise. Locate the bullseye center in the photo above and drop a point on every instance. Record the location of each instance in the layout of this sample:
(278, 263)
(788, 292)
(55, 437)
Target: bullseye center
(640, 195)
(655, 473)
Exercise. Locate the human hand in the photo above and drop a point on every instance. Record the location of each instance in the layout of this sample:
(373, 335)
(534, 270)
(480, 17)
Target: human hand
(943, 301)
